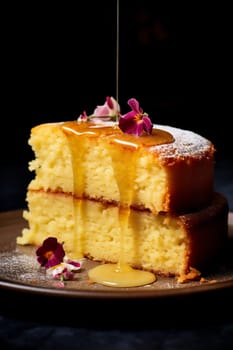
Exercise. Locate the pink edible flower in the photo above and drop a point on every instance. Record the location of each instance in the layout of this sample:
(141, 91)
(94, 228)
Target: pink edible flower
(135, 121)
(65, 270)
(109, 109)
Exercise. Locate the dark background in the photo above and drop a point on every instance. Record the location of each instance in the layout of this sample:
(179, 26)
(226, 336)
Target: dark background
(60, 60)
(56, 61)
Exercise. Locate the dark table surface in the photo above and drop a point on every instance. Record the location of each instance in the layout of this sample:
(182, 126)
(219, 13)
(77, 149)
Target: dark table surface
(195, 321)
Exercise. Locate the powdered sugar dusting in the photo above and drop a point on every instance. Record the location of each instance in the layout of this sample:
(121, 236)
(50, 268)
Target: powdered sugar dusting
(186, 143)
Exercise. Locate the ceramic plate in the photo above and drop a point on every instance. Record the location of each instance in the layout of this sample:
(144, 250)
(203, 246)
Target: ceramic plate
(19, 271)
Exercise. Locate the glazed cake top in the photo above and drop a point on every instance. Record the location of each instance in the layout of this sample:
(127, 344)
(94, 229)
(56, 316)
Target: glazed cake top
(174, 145)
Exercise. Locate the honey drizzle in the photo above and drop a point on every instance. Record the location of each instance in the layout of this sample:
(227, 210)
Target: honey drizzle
(124, 173)
(120, 274)
(77, 146)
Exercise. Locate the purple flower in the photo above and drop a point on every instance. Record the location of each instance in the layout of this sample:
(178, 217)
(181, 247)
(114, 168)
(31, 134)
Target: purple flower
(50, 253)
(135, 121)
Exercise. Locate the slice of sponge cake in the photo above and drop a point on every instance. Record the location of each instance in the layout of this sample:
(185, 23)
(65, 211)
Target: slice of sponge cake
(87, 174)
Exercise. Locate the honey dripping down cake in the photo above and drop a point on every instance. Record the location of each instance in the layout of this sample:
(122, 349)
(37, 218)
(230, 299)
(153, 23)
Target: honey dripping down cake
(137, 197)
